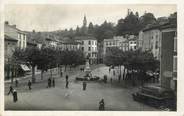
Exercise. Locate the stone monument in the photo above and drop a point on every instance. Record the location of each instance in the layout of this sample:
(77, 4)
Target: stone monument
(87, 69)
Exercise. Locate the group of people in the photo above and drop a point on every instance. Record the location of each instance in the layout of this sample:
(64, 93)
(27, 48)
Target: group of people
(14, 93)
(51, 82)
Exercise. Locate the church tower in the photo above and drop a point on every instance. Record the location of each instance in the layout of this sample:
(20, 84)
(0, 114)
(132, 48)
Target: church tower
(84, 27)
(84, 21)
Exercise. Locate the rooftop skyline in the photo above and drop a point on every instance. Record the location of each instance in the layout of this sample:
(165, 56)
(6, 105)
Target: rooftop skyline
(47, 17)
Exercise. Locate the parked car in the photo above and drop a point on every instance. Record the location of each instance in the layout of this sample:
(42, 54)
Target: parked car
(156, 96)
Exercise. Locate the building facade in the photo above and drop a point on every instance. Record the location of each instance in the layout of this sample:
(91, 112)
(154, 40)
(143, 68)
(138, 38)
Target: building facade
(114, 42)
(13, 38)
(150, 40)
(168, 62)
(132, 44)
(69, 44)
(89, 47)
(161, 40)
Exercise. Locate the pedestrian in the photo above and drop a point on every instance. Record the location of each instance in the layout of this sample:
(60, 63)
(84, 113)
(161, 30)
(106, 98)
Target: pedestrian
(61, 74)
(66, 78)
(102, 105)
(49, 82)
(114, 72)
(53, 82)
(16, 83)
(10, 90)
(119, 78)
(66, 84)
(84, 85)
(29, 84)
(15, 97)
(105, 78)
(109, 69)
(111, 80)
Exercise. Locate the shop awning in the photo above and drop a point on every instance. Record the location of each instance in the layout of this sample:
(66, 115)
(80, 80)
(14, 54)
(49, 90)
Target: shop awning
(25, 67)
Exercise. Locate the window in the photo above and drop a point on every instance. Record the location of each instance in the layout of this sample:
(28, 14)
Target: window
(175, 44)
(156, 45)
(89, 42)
(92, 42)
(156, 36)
(89, 55)
(89, 48)
(175, 63)
(106, 43)
(110, 43)
(134, 47)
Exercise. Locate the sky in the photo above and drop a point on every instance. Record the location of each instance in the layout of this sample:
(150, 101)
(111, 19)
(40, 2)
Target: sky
(48, 17)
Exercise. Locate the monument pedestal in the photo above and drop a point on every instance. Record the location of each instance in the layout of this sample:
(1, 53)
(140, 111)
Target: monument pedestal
(87, 70)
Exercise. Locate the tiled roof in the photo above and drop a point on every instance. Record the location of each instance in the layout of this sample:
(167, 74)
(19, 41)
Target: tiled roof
(67, 40)
(163, 26)
(85, 38)
(9, 38)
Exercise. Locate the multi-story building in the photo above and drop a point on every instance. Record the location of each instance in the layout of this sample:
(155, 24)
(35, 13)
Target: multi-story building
(132, 44)
(162, 41)
(140, 40)
(51, 40)
(89, 47)
(114, 42)
(150, 40)
(124, 45)
(69, 44)
(13, 38)
(168, 61)
(100, 52)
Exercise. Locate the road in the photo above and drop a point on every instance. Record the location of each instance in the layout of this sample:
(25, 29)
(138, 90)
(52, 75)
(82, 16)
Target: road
(116, 96)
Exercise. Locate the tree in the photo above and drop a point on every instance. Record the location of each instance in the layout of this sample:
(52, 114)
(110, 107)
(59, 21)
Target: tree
(90, 28)
(129, 25)
(104, 31)
(31, 58)
(18, 58)
(43, 57)
(72, 58)
(131, 60)
(147, 18)
(173, 18)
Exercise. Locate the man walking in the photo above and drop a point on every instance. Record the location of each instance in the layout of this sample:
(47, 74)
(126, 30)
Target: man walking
(84, 85)
(102, 105)
(53, 82)
(66, 78)
(49, 82)
(119, 78)
(10, 90)
(15, 98)
(29, 84)
(16, 83)
(66, 84)
(105, 78)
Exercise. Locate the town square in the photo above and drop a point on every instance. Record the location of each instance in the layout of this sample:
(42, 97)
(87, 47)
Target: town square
(90, 58)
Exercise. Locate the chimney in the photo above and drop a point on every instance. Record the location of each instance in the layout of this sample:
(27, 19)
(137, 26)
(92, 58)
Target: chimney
(33, 31)
(6, 22)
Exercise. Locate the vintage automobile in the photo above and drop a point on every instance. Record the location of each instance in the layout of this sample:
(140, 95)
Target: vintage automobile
(156, 96)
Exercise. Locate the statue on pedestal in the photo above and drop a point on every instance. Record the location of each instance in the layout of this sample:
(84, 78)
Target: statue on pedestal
(87, 69)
